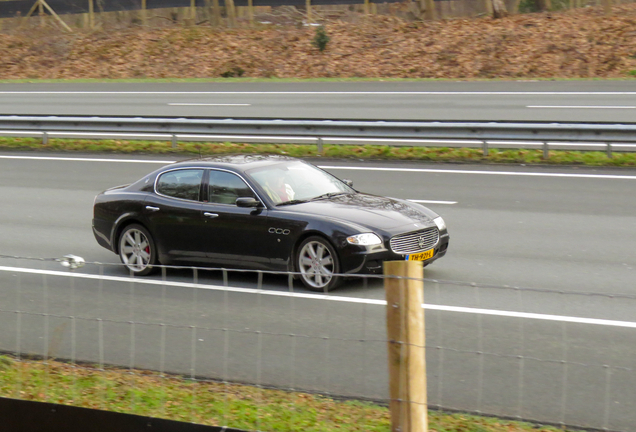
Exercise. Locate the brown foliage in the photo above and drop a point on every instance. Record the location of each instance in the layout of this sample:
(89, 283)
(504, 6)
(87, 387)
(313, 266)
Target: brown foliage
(575, 44)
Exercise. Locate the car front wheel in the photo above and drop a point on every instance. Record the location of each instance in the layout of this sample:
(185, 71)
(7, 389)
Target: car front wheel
(137, 250)
(317, 262)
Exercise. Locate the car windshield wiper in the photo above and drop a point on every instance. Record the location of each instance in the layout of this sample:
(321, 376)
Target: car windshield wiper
(328, 195)
(290, 202)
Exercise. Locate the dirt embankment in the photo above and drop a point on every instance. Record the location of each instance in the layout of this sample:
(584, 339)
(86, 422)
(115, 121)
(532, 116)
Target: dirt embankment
(576, 44)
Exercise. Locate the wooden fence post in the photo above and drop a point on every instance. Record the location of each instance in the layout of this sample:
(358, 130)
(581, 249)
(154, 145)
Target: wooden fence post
(250, 11)
(144, 13)
(41, 5)
(41, 13)
(91, 14)
(429, 9)
(230, 9)
(489, 8)
(308, 7)
(216, 13)
(405, 332)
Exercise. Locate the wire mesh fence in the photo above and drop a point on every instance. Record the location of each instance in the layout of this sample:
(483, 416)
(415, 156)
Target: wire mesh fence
(162, 13)
(564, 358)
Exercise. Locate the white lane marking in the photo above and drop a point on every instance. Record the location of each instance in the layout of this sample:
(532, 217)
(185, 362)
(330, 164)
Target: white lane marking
(528, 315)
(191, 285)
(581, 106)
(209, 104)
(450, 93)
(504, 173)
(433, 202)
(458, 309)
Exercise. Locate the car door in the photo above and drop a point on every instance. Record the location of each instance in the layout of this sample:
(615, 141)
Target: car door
(173, 215)
(232, 235)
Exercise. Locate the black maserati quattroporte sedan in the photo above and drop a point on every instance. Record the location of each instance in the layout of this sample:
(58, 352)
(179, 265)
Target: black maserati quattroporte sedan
(262, 212)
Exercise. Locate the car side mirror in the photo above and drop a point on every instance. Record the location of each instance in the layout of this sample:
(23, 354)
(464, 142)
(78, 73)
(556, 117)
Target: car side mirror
(248, 202)
(348, 182)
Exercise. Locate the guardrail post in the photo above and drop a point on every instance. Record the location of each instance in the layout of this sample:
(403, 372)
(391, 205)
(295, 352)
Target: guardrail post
(404, 288)
(174, 141)
(546, 151)
(609, 150)
(319, 144)
(485, 147)
(45, 138)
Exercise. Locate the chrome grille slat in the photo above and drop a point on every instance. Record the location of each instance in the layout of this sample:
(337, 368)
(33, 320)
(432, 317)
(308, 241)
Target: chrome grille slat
(409, 243)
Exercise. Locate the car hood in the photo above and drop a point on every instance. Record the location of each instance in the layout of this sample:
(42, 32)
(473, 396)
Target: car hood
(368, 210)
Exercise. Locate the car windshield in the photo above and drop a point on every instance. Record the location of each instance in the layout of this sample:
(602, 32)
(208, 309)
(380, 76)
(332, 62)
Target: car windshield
(294, 182)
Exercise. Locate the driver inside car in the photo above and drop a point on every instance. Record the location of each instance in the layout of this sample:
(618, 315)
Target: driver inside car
(277, 189)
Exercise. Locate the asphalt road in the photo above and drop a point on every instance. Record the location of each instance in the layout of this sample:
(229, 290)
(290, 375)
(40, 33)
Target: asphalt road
(568, 230)
(562, 101)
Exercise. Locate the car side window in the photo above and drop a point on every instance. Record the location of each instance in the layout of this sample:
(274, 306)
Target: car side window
(225, 188)
(184, 184)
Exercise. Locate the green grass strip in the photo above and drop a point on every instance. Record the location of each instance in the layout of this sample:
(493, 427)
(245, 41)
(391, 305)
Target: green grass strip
(245, 407)
(433, 154)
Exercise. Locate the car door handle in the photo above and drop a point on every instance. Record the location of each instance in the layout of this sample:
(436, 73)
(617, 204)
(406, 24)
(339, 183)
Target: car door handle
(152, 209)
(210, 215)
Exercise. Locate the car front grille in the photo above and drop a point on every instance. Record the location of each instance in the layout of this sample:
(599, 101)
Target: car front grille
(416, 241)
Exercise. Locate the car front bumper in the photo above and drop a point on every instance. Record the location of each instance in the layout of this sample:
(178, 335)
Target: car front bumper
(368, 260)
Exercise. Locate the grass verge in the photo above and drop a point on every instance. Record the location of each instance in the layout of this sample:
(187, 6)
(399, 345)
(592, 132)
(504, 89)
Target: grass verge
(244, 407)
(432, 154)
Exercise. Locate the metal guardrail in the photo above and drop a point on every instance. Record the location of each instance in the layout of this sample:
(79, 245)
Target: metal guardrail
(572, 136)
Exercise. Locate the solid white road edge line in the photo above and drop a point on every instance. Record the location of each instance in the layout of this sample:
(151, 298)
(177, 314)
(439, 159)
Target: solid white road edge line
(458, 309)
(350, 168)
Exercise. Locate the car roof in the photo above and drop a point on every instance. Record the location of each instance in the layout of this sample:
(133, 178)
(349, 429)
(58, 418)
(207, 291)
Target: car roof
(240, 162)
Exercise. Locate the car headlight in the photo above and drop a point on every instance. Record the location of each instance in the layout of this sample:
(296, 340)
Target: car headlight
(366, 239)
(440, 223)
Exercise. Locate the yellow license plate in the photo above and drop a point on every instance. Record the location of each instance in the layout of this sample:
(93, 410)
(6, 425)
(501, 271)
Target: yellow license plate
(422, 256)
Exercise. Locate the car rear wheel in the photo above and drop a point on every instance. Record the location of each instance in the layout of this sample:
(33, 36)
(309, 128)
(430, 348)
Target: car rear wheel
(137, 250)
(317, 262)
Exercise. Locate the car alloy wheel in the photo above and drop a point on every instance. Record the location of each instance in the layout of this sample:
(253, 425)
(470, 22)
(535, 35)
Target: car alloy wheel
(318, 264)
(137, 250)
